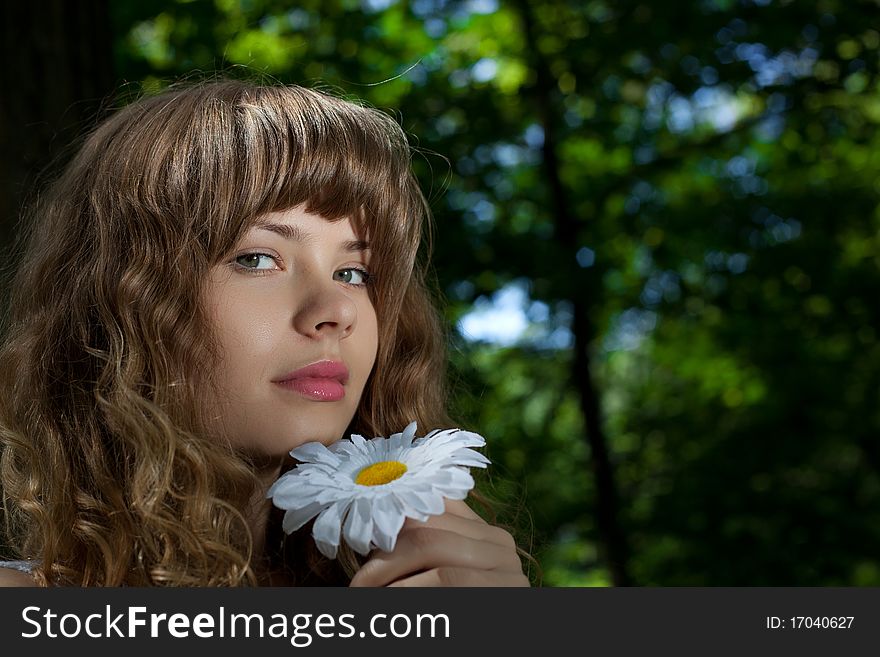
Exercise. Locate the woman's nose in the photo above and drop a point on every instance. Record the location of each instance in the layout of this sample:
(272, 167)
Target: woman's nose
(325, 311)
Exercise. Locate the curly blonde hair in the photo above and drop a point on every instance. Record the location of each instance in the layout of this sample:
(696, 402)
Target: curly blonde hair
(109, 473)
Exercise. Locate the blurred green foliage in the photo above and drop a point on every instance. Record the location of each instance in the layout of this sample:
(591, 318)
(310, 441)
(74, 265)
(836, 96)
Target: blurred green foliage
(721, 158)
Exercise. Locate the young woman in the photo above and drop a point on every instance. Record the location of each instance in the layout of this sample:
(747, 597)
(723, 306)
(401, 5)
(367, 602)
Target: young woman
(206, 247)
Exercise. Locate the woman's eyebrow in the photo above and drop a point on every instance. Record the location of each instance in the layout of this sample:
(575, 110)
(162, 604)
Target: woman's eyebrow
(296, 234)
(287, 231)
(356, 246)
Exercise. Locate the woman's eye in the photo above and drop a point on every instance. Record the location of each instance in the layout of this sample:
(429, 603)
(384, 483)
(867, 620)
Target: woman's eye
(352, 276)
(256, 261)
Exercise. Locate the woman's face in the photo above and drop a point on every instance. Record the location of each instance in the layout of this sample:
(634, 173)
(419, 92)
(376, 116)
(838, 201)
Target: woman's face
(297, 330)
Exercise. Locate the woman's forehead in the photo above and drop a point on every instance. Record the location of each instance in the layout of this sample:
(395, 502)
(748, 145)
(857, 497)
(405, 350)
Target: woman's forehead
(299, 225)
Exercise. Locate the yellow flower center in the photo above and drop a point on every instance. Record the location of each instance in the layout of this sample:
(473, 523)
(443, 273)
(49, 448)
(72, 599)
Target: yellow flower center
(380, 473)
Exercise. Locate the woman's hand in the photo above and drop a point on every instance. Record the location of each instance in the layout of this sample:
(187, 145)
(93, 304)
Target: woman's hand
(457, 548)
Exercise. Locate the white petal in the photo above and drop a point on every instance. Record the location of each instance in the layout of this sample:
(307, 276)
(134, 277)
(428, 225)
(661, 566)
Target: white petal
(439, 452)
(451, 437)
(327, 549)
(455, 483)
(387, 520)
(422, 502)
(403, 441)
(350, 448)
(295, 491)
(376, 448)
(445, 445)
(315, 478)
(274, 487)
(296, 518)
(358, 528)
(293, 499)
(471, 439)
(409, 511)
(470, 458)
(410, 432)
(328, 526)
(315, 453)
(284, 484)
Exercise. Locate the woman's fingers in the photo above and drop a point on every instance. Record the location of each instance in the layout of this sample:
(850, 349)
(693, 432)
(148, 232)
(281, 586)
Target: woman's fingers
(447, 576)
(423, 548)
(475, 528)
(457, 548)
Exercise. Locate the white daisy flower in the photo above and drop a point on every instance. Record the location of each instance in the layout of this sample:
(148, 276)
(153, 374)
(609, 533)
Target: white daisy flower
(364, 489)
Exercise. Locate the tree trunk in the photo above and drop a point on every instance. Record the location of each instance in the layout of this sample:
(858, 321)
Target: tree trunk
(56, 70)
(611, 537)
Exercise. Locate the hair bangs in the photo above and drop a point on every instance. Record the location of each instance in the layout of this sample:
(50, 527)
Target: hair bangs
(283, 147)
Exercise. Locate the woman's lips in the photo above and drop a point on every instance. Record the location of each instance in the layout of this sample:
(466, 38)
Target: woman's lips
(316, 389)
(322, 381)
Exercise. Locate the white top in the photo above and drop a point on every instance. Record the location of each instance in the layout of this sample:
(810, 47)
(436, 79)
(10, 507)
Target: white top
(23, 566)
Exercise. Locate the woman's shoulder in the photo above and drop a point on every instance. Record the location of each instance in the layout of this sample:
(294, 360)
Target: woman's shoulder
(16, 573)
